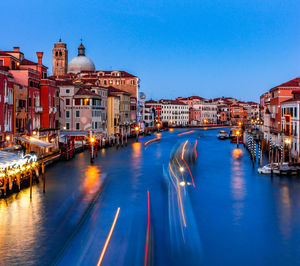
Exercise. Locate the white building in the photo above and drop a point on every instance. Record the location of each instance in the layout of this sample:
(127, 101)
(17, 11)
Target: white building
(290, 123)
(208, 110)
(171, 112)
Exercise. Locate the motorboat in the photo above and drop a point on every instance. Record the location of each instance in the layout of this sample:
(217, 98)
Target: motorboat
(275, 166)
(223, 135)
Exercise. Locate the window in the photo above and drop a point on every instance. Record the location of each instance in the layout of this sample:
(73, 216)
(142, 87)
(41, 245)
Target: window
(77, 113)
(77, 126)
(67, 91)
(67, 101)
(60, 54)
(67, 114)
(29, 101)
(77, 101)
(1, 62)
(86, 101)
(67, 125)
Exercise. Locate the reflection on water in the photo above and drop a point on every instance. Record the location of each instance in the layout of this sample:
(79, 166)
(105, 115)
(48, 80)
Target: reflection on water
(92, 179)
(238, 216)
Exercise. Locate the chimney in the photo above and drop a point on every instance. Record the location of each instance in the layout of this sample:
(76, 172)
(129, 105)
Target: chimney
(40, 57)
(16, 49)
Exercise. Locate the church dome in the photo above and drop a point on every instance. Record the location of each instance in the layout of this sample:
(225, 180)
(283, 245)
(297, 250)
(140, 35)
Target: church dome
(81, 62)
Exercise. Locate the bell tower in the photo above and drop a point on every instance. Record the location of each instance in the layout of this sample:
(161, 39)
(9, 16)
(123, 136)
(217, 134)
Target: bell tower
(59, 58)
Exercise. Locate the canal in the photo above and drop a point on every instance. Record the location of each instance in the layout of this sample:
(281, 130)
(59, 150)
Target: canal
(230, 216)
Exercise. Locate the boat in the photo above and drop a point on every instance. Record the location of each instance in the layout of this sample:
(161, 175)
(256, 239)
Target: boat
(222, 135)
(277, 169)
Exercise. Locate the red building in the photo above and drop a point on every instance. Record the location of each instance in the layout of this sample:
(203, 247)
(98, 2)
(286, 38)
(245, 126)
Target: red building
(279, 94)
(6, 106)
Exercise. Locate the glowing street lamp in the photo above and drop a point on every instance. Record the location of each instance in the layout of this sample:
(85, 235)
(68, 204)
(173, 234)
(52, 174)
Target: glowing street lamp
(92, 140)
(240, 123)
(181, 169)
(34, 132)
(7, 138)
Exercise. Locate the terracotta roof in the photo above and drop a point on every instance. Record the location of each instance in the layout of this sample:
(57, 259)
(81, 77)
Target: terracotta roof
(28, 62)
(83, 91)
(290, 84)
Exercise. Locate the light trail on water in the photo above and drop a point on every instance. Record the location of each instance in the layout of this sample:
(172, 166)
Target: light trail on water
(108, 238)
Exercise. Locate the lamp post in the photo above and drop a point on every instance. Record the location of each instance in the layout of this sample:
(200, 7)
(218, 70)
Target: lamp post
(92, 156)
(288, 141)
(237, 138)
(137, 133)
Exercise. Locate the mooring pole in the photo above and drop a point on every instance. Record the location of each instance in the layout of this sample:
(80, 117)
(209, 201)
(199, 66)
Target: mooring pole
(30, 180)
(44, 177)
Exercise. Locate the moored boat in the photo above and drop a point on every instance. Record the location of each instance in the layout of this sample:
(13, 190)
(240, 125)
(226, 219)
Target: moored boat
(223, 135)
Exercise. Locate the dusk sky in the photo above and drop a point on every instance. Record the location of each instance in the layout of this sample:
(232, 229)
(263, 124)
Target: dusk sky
(208, 48)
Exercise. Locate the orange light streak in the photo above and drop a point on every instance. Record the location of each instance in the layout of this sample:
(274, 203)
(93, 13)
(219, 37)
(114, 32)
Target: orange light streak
(184, 133)
(195, 149)
(108, 238)
(183, 150)
(179, 195)
(182, 157)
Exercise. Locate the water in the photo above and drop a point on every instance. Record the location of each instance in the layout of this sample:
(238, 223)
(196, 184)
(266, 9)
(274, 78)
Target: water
(233, 215)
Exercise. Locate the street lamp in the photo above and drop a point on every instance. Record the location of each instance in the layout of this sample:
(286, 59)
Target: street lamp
(181, 169)
(34, 132)
(92, 140)
(237, 138)
(7, 138)
(137, 128)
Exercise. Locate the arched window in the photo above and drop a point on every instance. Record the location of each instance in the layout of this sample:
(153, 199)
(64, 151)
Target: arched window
(56, 53)
(60, 54)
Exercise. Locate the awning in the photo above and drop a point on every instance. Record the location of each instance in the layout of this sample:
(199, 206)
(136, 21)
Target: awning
(74, 133)
(36, 142)
(7, 157)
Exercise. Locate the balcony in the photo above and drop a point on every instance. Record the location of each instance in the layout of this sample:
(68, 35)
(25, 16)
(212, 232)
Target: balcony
(38, 109)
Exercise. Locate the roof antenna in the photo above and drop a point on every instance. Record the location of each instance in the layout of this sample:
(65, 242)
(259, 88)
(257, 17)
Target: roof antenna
(81, 40)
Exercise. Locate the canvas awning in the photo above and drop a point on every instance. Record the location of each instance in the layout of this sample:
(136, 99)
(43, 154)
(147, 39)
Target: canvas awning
(36, 142)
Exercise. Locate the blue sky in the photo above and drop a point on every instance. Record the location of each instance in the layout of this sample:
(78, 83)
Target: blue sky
(208, 48)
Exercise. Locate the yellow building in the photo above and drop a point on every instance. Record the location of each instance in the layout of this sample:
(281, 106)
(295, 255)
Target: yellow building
(113, 114)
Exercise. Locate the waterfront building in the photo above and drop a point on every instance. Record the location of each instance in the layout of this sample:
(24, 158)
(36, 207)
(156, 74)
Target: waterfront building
(170, 112)
(6, 106)
(80, 108)
(209, 111)
(113, 114)
(272, 104)
(290, 123)
(123, 122)
(238, 114)
(20, 108)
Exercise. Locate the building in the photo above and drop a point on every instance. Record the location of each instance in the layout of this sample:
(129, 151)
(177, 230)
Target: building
(271, 108)
(123, 120)
(59, 59)
(170, 112)
(290, 124)
(6, 106)
(113, 114)
(20, 108)
(80, 108)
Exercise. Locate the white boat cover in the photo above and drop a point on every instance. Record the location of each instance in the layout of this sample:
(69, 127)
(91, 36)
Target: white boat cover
(37, 142)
